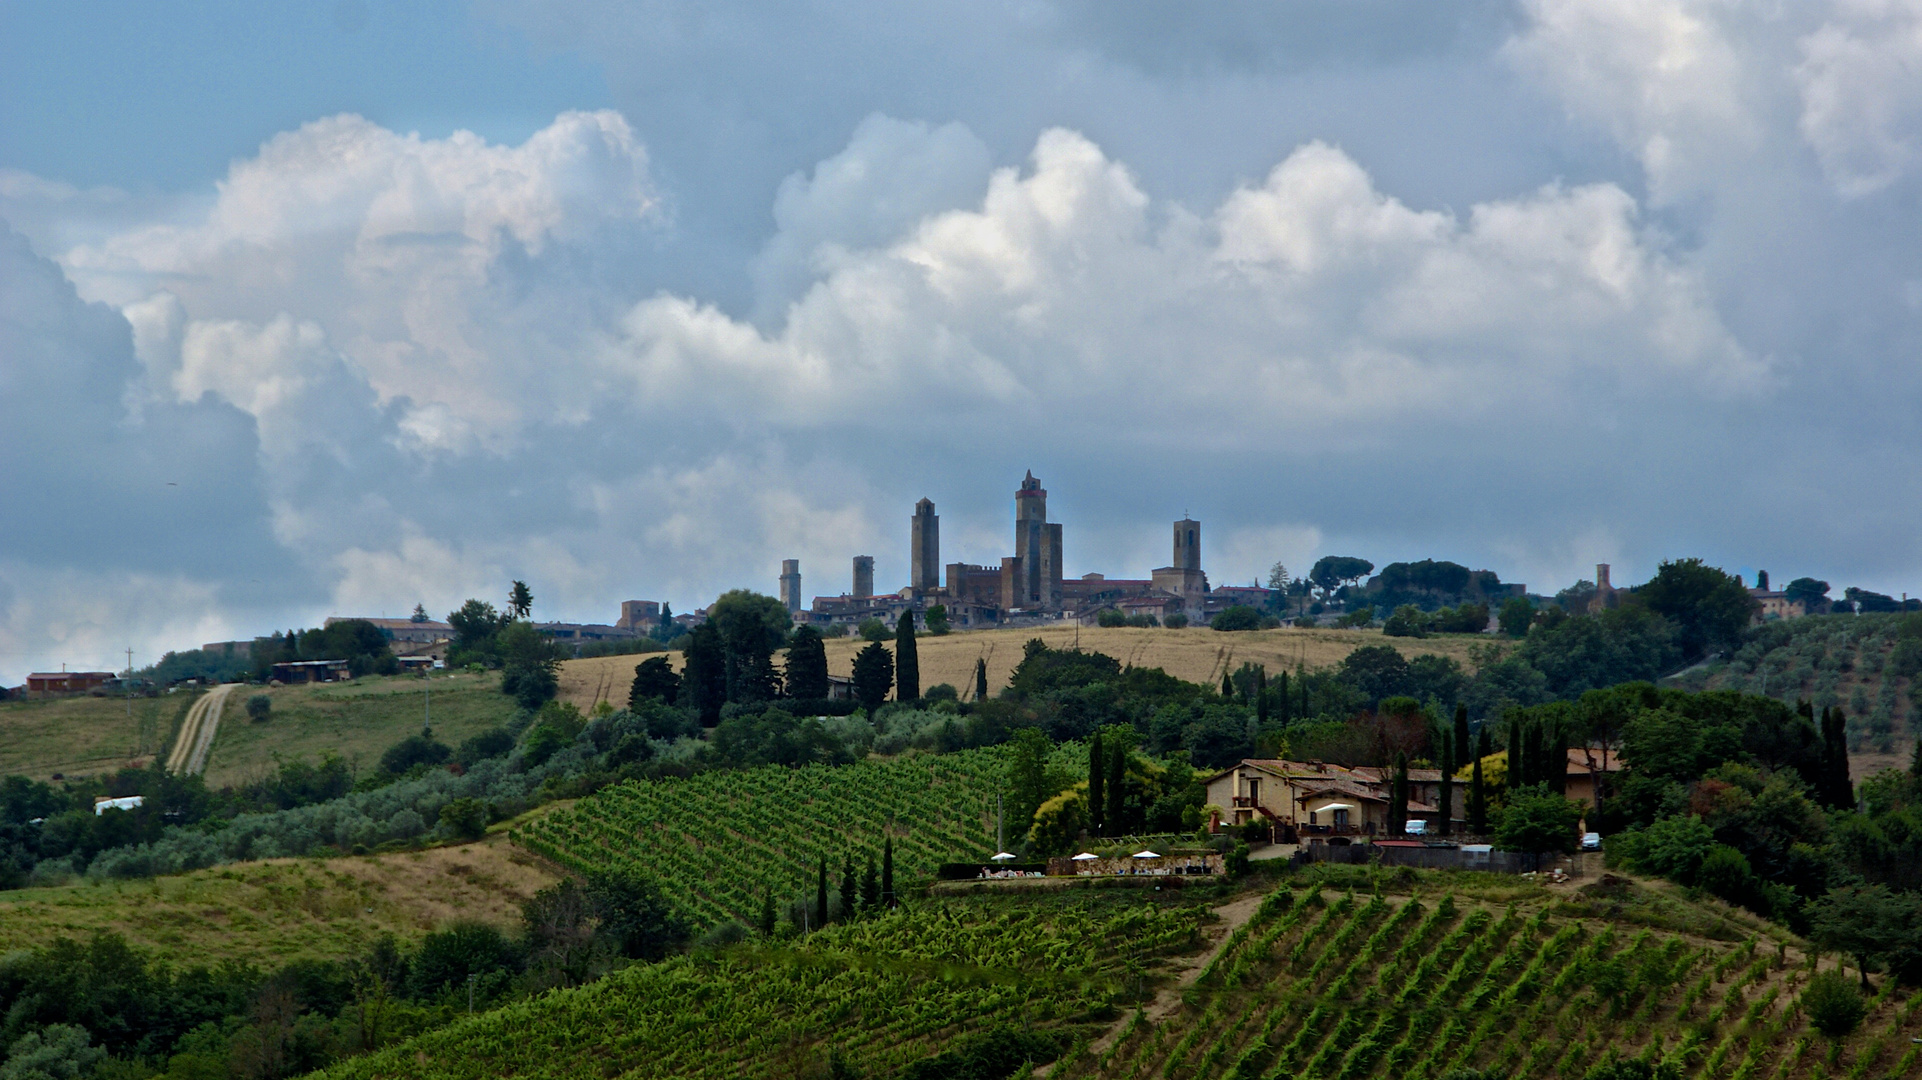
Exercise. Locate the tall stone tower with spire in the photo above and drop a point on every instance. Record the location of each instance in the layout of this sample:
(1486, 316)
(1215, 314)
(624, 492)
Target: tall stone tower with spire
(1031, 580)
(925, 576)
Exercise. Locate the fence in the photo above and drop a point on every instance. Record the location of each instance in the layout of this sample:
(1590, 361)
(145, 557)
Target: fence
(1423, 858)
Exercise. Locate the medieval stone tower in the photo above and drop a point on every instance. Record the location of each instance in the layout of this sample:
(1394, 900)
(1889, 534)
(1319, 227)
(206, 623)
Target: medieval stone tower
(925, 576)
(864, 575)
(1187, 544)
(791, 584)
(1032, 578)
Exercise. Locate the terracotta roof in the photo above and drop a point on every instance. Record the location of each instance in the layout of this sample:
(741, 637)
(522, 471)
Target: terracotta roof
(1344, 788)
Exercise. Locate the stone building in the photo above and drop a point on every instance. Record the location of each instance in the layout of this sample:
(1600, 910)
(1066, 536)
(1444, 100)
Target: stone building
(863, 575)
(791, 585)
(1184, 577)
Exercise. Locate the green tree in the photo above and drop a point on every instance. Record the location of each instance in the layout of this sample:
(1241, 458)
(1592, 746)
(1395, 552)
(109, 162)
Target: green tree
(821, 895)
(55, 1052)
(871, 887)
(807, 665)
(465, 818)
(1833, 1005)
(1028, 785)
(1330, 572)
(1516, 616)
(520, 600)
(1097, 783)
(1812, 594)
(1538, 820)
(654, 680)
(260, 706)
(873, 675)
(751, 627)
(475, 625)
(1407, 621)
(765, 923)
(1237, 617)
(704, 674)
(1710, 609)
(530, 664)
(872, 629)
(1447, 800)
(1478, 788)
(907, 663)
(1398, 797)
(1877, 926)
(938, 620)
(1378, 671)
(850, 888)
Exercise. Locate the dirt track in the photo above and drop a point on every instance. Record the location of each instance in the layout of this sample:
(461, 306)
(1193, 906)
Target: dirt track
(196, 739)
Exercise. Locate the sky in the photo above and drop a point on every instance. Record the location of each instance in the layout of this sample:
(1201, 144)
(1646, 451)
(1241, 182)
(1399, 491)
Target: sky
(341, 307)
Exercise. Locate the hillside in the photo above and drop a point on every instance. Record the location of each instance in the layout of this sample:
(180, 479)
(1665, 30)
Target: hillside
(1865, 664)
(715, 840)
(357, 719)
(1198, 654)
(1431, 973)
(270, 912)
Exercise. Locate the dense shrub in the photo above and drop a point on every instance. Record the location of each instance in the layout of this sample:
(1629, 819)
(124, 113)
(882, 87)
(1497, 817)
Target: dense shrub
(1833, 1004)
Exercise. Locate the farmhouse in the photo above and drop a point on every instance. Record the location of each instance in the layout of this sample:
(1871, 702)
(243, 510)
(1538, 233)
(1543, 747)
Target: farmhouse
(292, 672)
(1308, 799)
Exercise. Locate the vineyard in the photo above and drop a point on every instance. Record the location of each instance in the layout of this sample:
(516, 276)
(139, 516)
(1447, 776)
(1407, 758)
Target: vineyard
(876, 995)
(1321, 986)
(715, 840)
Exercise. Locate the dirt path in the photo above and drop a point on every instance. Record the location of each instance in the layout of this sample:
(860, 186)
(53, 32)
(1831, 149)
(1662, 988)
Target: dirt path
(196, 739)
(1185, 970)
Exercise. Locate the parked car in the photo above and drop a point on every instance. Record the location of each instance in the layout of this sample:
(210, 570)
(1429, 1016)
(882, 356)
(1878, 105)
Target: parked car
(1591, 841)
(1416, 828)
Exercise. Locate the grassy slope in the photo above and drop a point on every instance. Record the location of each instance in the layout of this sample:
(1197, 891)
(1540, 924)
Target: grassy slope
(269, 912)
(1199, 655)
(1334, 983)
(359, 719)
(77, 735)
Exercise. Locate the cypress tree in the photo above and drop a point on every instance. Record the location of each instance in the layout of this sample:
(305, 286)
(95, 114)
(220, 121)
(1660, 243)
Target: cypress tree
(1515, 754)
(1915, 760)
(1227, 687)
(1463, 743)
(870, 887)
(907, 665)
(807, 665)
(1555, 757)
(821, 895)
(1477, 789)
(887, 872)
(1097, 782)
(1117, 787)
(1261, 696)
(1835, 747)
(850, 893)
(1281, 695)
(1447, 784)
(981, 679)
(765, 924)
(1398, 792)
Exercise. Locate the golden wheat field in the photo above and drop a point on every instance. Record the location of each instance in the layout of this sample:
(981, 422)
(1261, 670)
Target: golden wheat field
(1198, 654)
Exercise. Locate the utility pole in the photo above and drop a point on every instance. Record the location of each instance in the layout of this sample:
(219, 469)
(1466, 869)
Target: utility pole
(136, 731)
(427, 700)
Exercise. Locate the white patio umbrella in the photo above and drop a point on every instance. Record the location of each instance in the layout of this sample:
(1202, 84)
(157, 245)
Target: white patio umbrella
(1002, 856)
(1145, 854)
(1084, 857)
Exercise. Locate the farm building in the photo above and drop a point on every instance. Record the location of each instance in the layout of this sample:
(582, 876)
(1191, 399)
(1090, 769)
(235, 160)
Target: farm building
(293, 672)
(67, 682)
(1313, 798)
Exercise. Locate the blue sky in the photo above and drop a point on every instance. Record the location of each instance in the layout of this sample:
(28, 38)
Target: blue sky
(336, 308)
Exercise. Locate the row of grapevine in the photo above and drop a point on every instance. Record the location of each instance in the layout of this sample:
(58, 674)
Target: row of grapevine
(881, 993)
(717, 839)
(1327, 988)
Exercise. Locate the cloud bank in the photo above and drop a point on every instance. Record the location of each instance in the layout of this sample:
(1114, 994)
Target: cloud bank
(368, 368)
